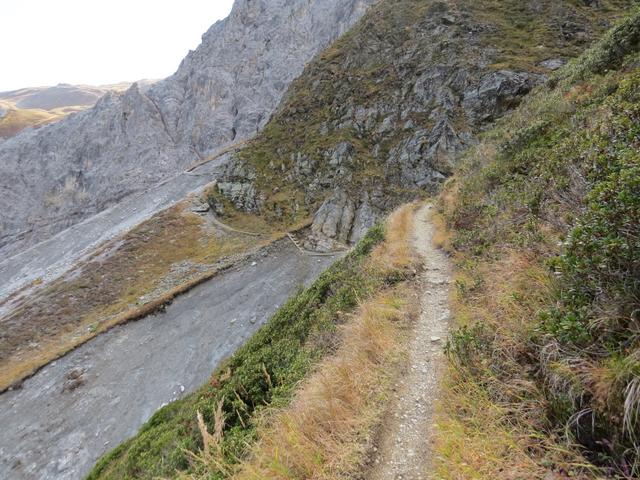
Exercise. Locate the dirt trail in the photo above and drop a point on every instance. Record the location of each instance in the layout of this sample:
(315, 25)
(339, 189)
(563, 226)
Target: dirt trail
(404, 451)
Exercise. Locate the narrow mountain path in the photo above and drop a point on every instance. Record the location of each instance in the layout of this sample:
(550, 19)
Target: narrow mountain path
(404, 452)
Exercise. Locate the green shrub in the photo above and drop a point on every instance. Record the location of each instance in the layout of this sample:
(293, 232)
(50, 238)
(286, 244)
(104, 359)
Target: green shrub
(563, 188)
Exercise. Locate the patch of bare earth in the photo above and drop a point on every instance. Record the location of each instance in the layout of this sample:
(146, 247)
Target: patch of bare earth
(404, 446)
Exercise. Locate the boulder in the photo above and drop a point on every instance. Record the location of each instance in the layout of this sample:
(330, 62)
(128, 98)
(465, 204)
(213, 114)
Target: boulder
(498, 92)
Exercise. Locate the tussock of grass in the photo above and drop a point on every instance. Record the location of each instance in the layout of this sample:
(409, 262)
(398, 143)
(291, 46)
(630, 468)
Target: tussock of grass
(396, 253)
(483, 446)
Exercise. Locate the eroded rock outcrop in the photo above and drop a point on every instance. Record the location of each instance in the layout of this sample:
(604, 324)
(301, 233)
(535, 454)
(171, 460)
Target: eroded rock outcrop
(382, 117)
(223, 92)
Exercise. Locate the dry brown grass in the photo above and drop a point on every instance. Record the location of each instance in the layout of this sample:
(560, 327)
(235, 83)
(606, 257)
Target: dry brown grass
(505, 294)
(482, 437)
(326, 430)
(396, 252)
(127, 279)
(16, 120)
(473, 442)
(442, 237)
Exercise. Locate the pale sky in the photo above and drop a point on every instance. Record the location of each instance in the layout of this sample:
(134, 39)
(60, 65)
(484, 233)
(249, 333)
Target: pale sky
(95, 42)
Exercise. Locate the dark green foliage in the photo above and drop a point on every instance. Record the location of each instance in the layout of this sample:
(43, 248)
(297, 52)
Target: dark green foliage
(600, 268)
(563, 185)
(608, 54)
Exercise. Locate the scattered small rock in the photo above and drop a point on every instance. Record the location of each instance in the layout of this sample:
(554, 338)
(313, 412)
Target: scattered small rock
(552, 64)
(199, 206)
(448, 19)
(74, 379)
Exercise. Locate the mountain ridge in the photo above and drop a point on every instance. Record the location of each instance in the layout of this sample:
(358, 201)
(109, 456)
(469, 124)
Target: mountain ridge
(68, 171)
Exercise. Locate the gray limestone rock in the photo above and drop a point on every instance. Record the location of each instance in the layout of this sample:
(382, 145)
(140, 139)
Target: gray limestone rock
(303, 165)
(497, 93)
(552, 64)
(242, 194)
(418, 160)
(332, 222)
(223, 92)
(341, 220)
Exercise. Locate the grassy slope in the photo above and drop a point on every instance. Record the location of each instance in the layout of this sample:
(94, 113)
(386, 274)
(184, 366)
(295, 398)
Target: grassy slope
(16, 120)
(545, 217)
(262, 373)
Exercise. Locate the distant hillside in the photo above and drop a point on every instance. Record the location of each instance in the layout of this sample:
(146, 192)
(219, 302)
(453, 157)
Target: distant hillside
(34, 107)
(13, 121)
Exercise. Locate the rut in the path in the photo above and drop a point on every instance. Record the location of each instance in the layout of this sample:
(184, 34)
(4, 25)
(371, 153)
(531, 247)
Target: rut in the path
(405, 442)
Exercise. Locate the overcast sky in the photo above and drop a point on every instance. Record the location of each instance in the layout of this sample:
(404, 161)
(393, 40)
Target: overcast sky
(46, 42)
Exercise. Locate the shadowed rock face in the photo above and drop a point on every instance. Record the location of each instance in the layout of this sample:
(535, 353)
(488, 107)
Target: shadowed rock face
(222, 92)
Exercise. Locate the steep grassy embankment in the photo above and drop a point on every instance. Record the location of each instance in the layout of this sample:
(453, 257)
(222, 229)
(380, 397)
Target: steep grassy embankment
(544, 219)
(262, 374)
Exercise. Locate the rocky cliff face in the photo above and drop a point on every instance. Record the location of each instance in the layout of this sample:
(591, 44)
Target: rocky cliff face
(223, 92)
(380, 117)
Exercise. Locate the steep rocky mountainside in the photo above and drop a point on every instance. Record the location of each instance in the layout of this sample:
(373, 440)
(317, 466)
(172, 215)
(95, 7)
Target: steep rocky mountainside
(223, 92)
(378, 118)
(381, 116)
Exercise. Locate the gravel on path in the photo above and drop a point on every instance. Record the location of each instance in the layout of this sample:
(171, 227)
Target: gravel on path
(404, 450)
